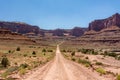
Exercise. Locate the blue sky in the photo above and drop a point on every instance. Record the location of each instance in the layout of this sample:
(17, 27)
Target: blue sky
(52, 14)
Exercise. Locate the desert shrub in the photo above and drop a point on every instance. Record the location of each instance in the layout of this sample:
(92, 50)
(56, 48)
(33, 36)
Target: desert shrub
(99, 63)
(12, 69)
(112, 54)
(101, 71)
(24, 65)
(9, 51)
(63, 50)
(118, 77)
(44, 54)
(8, 72)
(33, 53)
(87, 65)
(73, 59)
(84, 51)
(79, 50)
(44, 50)
(18, 49)
(49, 50)
(118, 58)
(22, 71)
(87, 57)
(13, 51)
(88, 51)
(69, 51)
(106, 53)
(4, 75)
(25, 55)
(36, 63)
(94, 53)
(31, 46)
(85, 62)
(73, 53)
(5, 62)
(16, 63)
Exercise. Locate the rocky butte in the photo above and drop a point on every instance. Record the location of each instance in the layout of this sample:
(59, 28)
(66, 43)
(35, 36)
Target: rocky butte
(98, 25)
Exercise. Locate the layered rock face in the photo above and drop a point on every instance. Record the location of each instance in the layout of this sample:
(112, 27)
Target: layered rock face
(77, 31)
(18, 27)
(104, 31)
(98, 25)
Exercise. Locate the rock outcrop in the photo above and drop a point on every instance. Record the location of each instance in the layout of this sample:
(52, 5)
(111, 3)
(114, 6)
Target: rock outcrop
(77, 31)
(19, 27)
(99, 25)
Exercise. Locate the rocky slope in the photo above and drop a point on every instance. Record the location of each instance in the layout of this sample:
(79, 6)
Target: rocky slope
(19, 27)
(24, 28)
(103, 32)
(99, 25)
(6, 34)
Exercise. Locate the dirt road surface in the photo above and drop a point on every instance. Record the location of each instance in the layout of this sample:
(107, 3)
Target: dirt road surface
(62, 69)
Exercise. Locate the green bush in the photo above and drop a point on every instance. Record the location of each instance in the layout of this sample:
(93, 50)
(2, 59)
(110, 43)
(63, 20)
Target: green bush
(33, 53)
(88, 51)
(118, 77)
(63, 50)
(25, 55)
(5, 62)
(73, 53)
(8, 72)
(118, 58)
(44, 50)
(86, 57)
(9, 51)
(101, 71)
(73, 59)
(79, 50)
(94, 53)
(4, 75)
(22, 71)
(18, 49)
(49, 50)
(99, 63)
(82, 61)
(24, 65)
(110, 54)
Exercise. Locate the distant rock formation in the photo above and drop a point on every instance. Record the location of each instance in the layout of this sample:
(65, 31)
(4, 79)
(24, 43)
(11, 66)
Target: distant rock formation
(6, 34)
(19, 27)
(77, 31)
(98, 25)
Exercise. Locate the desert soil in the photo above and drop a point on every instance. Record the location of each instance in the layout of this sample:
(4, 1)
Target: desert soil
(62, 69)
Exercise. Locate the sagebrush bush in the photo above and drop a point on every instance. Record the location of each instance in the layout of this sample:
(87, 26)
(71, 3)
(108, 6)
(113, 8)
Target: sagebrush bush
(25, 65)
(88, 51)
(73, 53)
(106, 53)
(9, 51)
(73, 59)
(33, 53)
(18, 49)
(99, 63)
(101, 71)
(63, 50)
(44, 50)
(22, 71)
(49, 50)
(5, 62)
(118, 77)
(85, 62)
